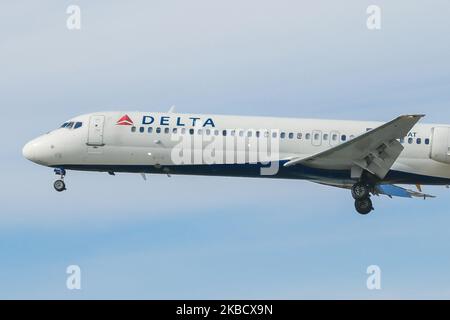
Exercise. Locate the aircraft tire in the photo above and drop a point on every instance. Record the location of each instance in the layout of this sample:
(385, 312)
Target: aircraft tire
(363, 206)
(360, 191)
(59, 185)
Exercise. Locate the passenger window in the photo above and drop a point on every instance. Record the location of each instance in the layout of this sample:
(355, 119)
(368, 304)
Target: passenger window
(334, 137)
(274, 134)
(241, 133)
(410, 140)
(427, 141)
(199, 131)
(191, 131)
(307, 136)
(133, 129)
(208, 132)
(158, 130)
(174, 130)
(141, 129)
(266, 134)
(150, 129)
(233, 133)
(316, 136)
(166, 130)
(183, 130)
(257, 134)
(291, 135)
(344, 137)
(78, 125)
(216, 132)
(249, 133)
(419, 141)
(283, 135)
(325, 136)
(224, 133)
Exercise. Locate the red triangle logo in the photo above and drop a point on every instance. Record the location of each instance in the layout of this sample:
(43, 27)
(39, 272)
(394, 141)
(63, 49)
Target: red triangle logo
(124, 121)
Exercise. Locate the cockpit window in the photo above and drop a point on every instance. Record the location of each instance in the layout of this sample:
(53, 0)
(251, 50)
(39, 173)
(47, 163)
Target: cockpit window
(72, 125)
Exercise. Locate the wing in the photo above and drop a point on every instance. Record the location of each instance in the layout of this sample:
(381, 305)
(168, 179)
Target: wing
(374, 151)
(389, 190)
(396, 191)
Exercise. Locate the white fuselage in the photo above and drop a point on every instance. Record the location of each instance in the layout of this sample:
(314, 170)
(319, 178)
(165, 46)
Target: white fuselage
(124, 142)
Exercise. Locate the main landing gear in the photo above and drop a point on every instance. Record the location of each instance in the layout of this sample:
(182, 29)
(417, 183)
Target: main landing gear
(59, 184)
(361, 194)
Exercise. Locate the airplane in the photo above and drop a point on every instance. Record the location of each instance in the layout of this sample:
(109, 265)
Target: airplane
(369, 158)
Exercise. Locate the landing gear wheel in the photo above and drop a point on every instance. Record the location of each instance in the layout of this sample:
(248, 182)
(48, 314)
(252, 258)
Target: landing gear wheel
(59, 185)
(360, 191)
(363, 206)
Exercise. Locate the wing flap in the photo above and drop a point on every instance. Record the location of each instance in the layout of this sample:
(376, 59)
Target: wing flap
(380, 161)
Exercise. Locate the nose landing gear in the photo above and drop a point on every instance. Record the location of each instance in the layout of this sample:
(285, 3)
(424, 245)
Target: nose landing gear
(59, 185)
(361, 194)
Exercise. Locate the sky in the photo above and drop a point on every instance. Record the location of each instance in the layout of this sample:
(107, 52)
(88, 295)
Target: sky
(211, 237)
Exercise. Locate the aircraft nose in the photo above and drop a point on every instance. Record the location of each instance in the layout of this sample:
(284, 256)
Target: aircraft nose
(28, 151)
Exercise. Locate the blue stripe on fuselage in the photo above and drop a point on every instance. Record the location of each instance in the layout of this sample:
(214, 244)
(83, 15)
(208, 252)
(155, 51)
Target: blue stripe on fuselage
(254, 170)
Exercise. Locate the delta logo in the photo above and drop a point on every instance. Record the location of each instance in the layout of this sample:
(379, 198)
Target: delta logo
(125, 121)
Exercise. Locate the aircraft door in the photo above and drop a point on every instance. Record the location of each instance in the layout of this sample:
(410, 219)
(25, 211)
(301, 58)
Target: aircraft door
(334, 138)
(95, 133)
(316, 138)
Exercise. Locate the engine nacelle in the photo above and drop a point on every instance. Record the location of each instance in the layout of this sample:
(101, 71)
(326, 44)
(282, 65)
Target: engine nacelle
(440, 146)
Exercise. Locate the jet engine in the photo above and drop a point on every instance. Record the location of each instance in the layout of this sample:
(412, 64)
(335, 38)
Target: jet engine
(440, 146)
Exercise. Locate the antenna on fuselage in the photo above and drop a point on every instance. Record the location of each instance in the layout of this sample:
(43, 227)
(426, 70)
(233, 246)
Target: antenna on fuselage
(172, 109)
